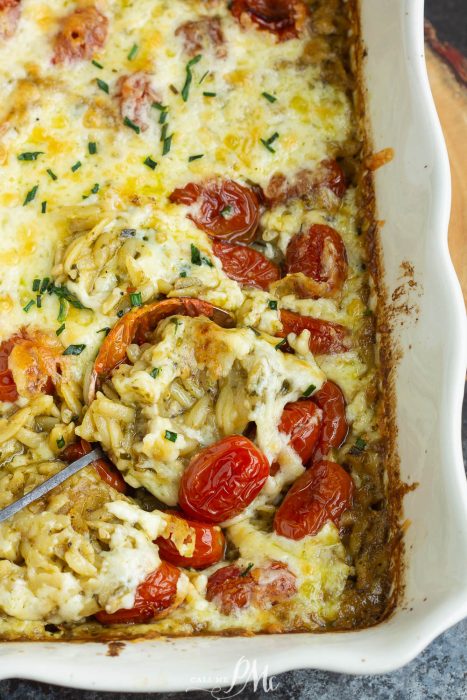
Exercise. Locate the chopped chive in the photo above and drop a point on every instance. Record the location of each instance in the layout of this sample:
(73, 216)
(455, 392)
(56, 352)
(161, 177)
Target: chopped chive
(154, 372)
(60, 330)
(30, 155)
(358, 447)
(39, 301)
(169, 435)
(248, 569)
(189, 77)
(150, 163)
(30, 195)
(132, 125)
(183, 273)
(92, 148)
(44, 285)
(28, 305)
(226, 211)
(60, 443)
(272, 304)
(256, 332)
(129, 233)
(64, 293)
(309, 391)
(203, 77)
(270, 98)
(163, 116)
(52, 174)
(36, 285)
(280, 344)
(195, 255)
(195, 157)
(272, 138)
(62, 310)
(266, 145)
(98, 65)
(164, 132)
(159, 106)
(167, 145)
(267, 142)
(95, 188)
(43, 207)
(133, 52)
(74, 350)
(136, 299)
(105, 330)
(76, 166)
(210, 94)
(102, 85)
(120, 313)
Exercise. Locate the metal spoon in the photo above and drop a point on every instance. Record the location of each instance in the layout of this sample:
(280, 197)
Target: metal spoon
(50, 484)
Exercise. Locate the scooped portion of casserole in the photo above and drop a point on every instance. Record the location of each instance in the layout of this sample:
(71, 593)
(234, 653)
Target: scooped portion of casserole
(185, 282)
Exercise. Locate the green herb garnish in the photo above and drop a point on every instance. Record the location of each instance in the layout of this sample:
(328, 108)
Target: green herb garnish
(76, 166)
(154, 372)
(150, 163)
(52, 174)
(74, 350)
(36, 285)
(43, 207)
(267, 142)
(309, 391)
(98, 65)
(133, 51)
(28, 305)
(169, 435)
(64, 293)
(44, 284)
(195, 255)
(39, 301)
(92, 148)
(30, 155)
(272, 304)
(189, 77)
(30, 195)
(203, 77)
(62, 310)
(163, 116)
(167, 145)
(60, 330)
(164, 132)
(270, 98)
(136, 299)
(280, 344)
(60, 443)
(105, 330)
(131, 125)
(102, 85)
(196, 157)
(210, 94)
(248, 569)
(256, 332)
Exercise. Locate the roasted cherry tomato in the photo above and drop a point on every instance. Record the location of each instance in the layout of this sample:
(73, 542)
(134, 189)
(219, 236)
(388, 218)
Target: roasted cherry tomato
(105, 469)
(245, 265)
(301, 421)
(203, 33)
(334, 428)
(321, 494)
(136, 95)
(321, 256)
(223, 479)
(155, 598)
(209, 546)
(136, 325)
(328, 175)
(7, 383)
(285, 18)
(224, 208)
(82, 32)
(10, 12)
(326, 337)
(232, 588)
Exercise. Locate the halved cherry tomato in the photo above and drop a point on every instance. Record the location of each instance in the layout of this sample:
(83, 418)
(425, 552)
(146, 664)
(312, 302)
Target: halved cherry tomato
(10, 12)
(105, 469)
(223, 479)
(232, 589)
(328, 175)
(335, 427)
(136, 325)
(82, 32)
(209, 546)
(155, 598)
(301, 421)
(284, 18)
(320, 255)
(245, 265)
(224, 208)
(326, 337)
(321, 494)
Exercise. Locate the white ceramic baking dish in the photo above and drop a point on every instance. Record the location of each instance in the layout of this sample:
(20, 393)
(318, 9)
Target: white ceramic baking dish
(413, 198)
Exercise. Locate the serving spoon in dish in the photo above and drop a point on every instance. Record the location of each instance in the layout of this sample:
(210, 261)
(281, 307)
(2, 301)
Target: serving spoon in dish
(50, 484)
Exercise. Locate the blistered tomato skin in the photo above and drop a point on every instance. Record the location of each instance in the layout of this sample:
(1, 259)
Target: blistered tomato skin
(320, 255)
(224, 209)
(245, 265)
(335, 427)
(155, 598)
(8, 390)
(284, 18)
(223, 479)
(326, 337)
(105, 469)
(301, 421)
(323, 493)
(209, 546)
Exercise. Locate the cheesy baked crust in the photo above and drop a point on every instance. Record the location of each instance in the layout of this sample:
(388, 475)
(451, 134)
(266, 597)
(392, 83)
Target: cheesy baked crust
(199, 151)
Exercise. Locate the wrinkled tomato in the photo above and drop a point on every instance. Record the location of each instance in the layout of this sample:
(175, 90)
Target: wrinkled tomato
(320, 495)
(301, 421)
(285, 18)
(82, 32)
(224, 208)
(104, 468)
(209, 546)
(136, 95)
(8, 390)
(10, 12)
(315, 184)
(203, 33)
(245, 265)
(335, 427)
(326, 337)
(223, 479)
(231, 588)
(155, 598)
(136, 325)
(320, 255)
